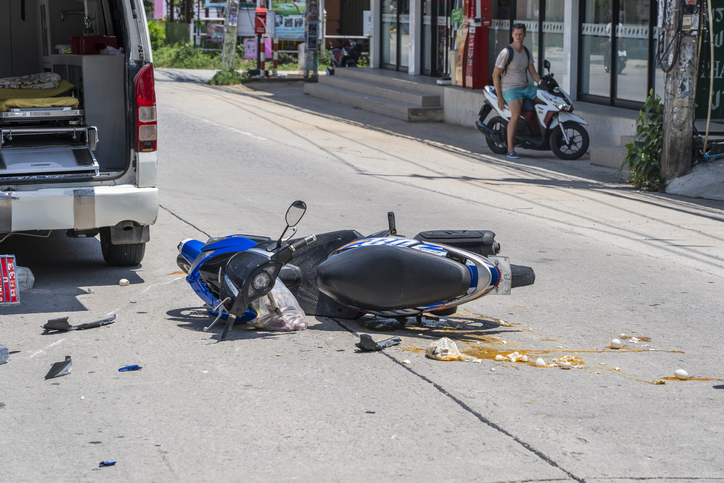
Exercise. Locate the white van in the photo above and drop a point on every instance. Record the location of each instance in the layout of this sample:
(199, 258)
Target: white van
(78, 121)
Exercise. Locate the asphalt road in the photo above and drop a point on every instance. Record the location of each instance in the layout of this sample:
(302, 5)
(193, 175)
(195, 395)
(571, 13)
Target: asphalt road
(307, 405)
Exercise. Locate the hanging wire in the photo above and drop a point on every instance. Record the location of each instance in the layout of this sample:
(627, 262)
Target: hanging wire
(663, 53)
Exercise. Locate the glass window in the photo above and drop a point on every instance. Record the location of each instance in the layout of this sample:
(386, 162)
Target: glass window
(389, 32)
(527, 12)
(596, 34)
(553, 36)
(631, 51)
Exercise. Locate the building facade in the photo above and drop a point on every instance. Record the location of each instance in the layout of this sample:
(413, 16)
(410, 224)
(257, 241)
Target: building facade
(601, 51)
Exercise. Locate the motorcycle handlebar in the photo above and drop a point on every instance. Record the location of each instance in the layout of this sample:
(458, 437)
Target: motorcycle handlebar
(303, 242)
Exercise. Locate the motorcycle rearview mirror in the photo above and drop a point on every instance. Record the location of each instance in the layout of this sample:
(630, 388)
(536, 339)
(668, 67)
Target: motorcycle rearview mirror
(547, 65)
(295, 212)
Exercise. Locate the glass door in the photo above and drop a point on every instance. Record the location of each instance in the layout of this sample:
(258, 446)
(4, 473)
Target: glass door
(427, 38)
(442, 40)
(395, 41)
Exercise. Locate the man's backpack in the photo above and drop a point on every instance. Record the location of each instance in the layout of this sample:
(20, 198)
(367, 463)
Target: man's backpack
(511, 53)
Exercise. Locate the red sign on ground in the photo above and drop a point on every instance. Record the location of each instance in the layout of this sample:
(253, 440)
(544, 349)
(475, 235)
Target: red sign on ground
(8, 281)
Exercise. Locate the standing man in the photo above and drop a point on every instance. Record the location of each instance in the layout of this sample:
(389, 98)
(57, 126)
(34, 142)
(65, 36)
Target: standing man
(510, 78)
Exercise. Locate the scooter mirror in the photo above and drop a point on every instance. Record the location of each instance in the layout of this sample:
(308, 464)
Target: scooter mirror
(296, 212)
(547, 65)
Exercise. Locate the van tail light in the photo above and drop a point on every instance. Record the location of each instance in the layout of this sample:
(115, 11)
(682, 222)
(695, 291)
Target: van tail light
(145, 110)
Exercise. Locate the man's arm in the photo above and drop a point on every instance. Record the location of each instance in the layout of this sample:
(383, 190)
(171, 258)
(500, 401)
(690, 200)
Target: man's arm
(533, 73)
(497, 74)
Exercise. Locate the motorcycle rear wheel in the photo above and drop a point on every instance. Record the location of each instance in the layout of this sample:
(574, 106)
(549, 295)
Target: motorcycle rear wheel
(500, 125)
(578, 137)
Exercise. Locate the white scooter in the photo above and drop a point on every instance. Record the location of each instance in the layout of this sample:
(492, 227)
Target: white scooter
(548, 123)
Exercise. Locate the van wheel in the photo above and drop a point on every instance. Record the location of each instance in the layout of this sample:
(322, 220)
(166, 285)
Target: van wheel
(128, 255)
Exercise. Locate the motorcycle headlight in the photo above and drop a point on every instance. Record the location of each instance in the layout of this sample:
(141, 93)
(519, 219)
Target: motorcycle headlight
(561, 106)
(261, 281)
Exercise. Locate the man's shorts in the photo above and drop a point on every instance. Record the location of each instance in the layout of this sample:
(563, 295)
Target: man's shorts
(527, 92)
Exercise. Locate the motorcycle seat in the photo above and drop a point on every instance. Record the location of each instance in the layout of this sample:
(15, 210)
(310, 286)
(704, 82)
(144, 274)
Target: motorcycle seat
(383, 278)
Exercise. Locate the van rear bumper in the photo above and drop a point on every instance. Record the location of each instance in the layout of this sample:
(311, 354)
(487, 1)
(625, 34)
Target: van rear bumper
(75, 208)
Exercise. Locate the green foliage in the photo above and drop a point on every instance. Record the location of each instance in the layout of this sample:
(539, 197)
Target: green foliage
(188, 56)
(643, 155)
(226, 78)
(157, 30)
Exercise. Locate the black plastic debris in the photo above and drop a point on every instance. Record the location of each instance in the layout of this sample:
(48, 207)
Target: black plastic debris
(385, 325)
(367, 344)
(130, 368)
(4, 354)
(106, 463)
(63, 324)
(62, 368)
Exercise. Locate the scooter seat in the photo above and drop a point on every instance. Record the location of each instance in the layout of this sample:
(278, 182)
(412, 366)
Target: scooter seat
(383, 278)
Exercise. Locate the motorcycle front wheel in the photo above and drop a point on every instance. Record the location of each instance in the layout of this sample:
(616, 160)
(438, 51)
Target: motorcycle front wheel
(499, 125)
(577, 136)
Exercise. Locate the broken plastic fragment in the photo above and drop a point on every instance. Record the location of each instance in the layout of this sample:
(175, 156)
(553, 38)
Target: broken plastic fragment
(367, 344)
(130, 368)
(406, 361)
(24, 278)
(62, 368)
(4, 354)
(63, 324)
(446, 350)
(106, 463)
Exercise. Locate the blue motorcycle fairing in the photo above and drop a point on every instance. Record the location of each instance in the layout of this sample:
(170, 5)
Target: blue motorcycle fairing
(196, 253)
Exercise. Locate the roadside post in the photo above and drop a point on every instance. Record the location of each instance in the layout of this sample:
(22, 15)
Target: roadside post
(260, 30)
(311, 38)
(680, 31)
(230, 29)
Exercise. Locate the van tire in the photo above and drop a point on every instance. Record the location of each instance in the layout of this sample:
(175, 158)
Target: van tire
(126, 255)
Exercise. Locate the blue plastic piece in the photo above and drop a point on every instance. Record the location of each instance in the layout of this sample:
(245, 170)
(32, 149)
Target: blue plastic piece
(130, 368)
(106, 463)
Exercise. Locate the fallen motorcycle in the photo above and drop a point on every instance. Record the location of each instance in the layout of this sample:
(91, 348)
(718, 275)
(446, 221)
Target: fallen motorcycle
(345, 275)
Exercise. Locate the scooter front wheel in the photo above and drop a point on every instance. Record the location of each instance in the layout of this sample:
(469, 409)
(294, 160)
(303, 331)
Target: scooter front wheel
(500, 126)
(577, 137)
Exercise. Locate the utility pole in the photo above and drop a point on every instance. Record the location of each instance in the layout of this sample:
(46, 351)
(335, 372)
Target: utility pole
(681, 56)
(228, 53)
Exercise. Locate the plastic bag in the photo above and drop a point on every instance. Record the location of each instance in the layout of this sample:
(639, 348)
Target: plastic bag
(278, 310)
(445, 350)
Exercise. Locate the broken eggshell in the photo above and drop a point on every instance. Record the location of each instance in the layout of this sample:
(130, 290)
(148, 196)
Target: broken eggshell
(681, 374)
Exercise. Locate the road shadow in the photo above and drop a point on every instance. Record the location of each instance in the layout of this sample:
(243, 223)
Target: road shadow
(63, 269)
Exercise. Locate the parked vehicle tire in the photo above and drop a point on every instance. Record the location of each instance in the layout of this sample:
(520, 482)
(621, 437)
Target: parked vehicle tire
(128, 255)
(500, 125)
(578, 137)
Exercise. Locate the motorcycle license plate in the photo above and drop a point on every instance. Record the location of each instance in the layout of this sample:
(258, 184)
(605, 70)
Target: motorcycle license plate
(506, 275)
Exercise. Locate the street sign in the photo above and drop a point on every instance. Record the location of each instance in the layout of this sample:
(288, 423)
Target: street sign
(260, 21)
(703, 83)
(8, 281)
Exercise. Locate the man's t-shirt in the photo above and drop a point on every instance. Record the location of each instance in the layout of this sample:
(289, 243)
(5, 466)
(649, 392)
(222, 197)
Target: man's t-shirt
(517, 75)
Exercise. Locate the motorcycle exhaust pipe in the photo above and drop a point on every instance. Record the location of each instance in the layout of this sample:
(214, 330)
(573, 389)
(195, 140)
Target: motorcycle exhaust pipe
(494, 136)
